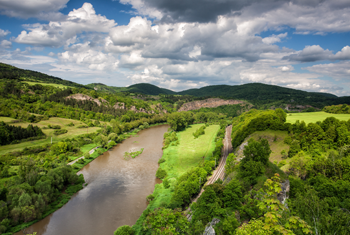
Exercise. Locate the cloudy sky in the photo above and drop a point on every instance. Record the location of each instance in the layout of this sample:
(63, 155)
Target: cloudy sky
(301, 44)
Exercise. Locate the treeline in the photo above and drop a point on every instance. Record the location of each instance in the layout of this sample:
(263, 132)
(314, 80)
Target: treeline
(233, 110)
(341, 108)
(9, 133)
(11, 72)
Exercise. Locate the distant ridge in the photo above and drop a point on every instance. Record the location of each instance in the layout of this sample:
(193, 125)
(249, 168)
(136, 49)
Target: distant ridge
(149, 89)
(12, 72)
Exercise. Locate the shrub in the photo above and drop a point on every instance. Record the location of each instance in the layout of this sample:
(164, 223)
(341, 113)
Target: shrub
(150, 197)
(60, 131)
(166, 183)
(54, 126)
(81, 161)
(124, 230)
(161, 160)
(161, 174)
(70, 124)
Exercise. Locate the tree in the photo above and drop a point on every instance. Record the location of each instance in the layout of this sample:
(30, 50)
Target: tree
(230, 163)
(275, 219)
(258, 151)
(166, 221)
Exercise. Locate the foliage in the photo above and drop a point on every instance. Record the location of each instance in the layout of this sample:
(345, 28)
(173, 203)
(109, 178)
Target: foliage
(124, 230)
(161, 174)
(341, 108)
(198, 132)
(166, 221)
(60, 132)
(128, 155)
(9, 133)
(180, 120)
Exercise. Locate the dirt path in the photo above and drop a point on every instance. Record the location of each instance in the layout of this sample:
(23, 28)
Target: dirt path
(219, 172)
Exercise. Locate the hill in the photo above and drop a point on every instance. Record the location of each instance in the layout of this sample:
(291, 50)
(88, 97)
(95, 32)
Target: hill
(149, 89)
(12, 72)
(259, 93)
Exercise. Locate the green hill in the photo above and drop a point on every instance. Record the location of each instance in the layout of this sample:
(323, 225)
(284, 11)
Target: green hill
(149, 89)
(12, 72)
(258, 93)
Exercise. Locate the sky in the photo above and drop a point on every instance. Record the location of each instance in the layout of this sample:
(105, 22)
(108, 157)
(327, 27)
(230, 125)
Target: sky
(299, 44)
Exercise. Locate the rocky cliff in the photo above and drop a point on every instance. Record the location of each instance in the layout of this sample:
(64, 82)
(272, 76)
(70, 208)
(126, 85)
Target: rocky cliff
(208, 103)
(86, 97)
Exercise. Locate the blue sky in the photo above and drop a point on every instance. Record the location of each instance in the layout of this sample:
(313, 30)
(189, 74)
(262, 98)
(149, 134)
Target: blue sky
(182, 44)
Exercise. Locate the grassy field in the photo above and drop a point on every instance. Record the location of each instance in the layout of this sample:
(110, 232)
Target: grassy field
(48, 84)
(314, 117)
(6, 119)
(72, 132)
(190, 151)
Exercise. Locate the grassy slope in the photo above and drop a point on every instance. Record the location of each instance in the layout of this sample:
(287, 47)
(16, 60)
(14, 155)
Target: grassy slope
(6, 119)
(72, 132)
(190, 151)
(178, 159)
(48, 84)
(314, 117)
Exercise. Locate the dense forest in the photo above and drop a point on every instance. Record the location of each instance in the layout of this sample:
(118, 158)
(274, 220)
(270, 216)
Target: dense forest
(9, 134)
(341, 108)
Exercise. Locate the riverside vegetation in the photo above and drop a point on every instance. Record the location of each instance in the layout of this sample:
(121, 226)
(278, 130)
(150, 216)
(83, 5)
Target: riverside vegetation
(313, 154)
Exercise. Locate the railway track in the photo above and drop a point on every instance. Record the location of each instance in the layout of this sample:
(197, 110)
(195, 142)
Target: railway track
(219, 172)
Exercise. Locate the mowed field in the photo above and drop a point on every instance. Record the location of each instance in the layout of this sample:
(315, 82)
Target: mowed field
(72, 132)
(314, 117)
(48, 84)
(190, 151)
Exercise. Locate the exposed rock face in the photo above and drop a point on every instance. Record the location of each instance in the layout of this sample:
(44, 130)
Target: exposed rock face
(282, 196)
(208, 103)
(119, 105)
(86, 97)
(209, 230)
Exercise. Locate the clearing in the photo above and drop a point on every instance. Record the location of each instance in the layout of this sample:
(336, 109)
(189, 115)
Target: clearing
(190, 151)
(72, 132)
(315, 116)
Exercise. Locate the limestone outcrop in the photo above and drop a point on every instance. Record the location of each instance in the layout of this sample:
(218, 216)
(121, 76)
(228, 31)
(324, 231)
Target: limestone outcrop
(86, 97)
(208, 103)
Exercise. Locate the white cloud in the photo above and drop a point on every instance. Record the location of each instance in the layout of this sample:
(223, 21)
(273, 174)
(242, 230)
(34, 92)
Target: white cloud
(32, 8)
(344, 54)
(310, 54)
(3, 33)
(58, 33)
(336, 70)
(6, 44)
(274, 38)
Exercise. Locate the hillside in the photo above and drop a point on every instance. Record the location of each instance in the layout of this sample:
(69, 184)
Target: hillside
(12, 72)
(259, 93)
(143, 88)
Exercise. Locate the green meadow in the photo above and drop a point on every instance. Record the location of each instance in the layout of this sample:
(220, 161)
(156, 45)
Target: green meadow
(315, 116)
(190, 151)
(72, 132)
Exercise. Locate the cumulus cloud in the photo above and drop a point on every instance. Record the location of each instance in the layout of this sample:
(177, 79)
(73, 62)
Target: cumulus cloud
(6, 44)
(336, 70)
(274, 38)
(32, 8)
(310, 54)
(58, 33)
(344, 54)
(3, 33)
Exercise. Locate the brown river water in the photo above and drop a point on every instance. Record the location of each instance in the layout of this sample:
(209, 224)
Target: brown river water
(116, 192)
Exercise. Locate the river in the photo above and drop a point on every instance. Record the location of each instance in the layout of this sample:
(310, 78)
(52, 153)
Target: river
(116, 191)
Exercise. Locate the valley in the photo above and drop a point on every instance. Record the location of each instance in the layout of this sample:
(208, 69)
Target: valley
(96, 159)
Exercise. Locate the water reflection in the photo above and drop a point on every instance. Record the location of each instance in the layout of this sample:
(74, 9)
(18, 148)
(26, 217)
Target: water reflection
(116, 192)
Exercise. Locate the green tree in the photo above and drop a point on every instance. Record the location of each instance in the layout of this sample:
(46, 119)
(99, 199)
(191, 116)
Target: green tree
(258, 151)
(124, 230)
(166, 221)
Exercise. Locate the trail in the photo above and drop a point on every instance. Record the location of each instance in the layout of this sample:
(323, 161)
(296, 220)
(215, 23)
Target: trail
(219, 172)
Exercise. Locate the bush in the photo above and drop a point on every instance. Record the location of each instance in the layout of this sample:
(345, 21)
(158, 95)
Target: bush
(70, 124)
(161, 174)
(60, 131)
(150, 197)
(161, 160)
(166, 183)
(124, 230)
(81, 161)
(82, 126)
(199, 132)
(54, 126)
